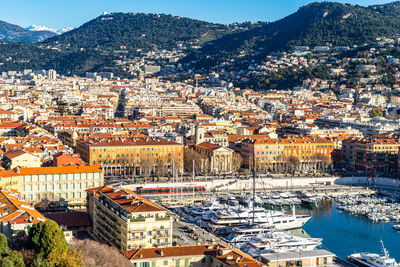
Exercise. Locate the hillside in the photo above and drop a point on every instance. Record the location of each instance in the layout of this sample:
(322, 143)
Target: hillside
(15, 33)
(135, 31)
(391, 9)
(315, 24)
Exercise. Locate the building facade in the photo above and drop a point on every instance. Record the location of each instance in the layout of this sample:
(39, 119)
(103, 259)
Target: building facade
(53, 183)
(218, 157)
(132, 156)
(214, 255)
(126, 220)
(361, 154)
(273, 154)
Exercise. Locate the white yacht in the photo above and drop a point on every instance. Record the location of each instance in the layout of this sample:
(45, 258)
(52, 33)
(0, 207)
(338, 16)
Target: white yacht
(372, 259)
(258, 216)
(279, 242)
(242, 235)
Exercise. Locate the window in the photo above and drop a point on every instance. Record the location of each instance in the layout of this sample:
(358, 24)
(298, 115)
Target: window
(178, 263)
(166, 262)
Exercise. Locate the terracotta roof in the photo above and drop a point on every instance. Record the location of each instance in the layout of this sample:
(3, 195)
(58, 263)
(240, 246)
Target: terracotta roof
(50, 170)
(69, 219)
(14, 210)
(208, 146)
(127, 199)
(224, 253)
(14, 154)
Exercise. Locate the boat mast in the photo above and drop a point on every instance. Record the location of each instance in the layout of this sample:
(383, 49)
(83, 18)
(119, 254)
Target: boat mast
(193, 179)
(385, 252)
(254, 187)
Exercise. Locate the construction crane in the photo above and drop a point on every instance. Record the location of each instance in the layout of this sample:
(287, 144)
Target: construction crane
(197, 78)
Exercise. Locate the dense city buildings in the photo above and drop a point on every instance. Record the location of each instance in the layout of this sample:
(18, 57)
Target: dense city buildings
(178, 142)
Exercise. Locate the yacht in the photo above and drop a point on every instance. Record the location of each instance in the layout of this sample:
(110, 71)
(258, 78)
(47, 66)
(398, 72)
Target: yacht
(259, 216)
(279, 242)
(242, 235)
(396, 227)
(366, 259)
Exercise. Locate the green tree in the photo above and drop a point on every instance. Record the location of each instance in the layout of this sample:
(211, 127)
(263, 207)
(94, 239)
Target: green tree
(9, 258)
(375, 113)
(46, 237)
(3, 244)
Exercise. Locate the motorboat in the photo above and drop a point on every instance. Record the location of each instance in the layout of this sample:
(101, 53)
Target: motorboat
(366, 259)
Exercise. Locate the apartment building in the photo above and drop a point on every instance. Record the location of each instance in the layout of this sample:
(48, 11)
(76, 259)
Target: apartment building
(67, 182)
(214, 255)
(126, 220)
(364, 153)
(271, 154)
(131, 155)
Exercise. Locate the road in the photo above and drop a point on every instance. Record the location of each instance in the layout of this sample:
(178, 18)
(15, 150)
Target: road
(184, 237)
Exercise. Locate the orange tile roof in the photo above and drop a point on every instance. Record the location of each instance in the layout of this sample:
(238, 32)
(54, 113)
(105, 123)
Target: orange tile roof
(51, 170)
(208, 146)
(127, 199)
(14, 210)
(224, 253)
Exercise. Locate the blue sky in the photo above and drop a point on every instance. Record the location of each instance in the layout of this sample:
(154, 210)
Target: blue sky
(62, 13)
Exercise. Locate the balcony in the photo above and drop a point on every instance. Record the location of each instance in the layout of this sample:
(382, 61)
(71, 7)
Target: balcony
(166, 218)
(138, 220)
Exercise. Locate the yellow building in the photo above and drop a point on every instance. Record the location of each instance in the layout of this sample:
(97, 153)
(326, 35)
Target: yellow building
(131, 156)
(53, 183)
(126, 220)
(214, 255)
(19, 158)
(320, 257)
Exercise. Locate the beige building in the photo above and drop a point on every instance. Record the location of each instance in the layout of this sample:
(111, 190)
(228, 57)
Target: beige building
(67, 182)
(20, 158)
(126, 220)
(220, 158)
(215, 255)
(319, 257)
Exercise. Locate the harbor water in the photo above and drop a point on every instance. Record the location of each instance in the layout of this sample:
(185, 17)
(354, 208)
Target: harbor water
(344, 233)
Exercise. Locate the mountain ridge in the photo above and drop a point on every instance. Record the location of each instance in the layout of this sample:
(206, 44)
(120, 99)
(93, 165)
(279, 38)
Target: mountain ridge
(107, 37)
(318, 23)
(14, 33)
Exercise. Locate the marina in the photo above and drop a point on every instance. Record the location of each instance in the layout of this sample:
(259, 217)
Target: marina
(340, 223)
(344, 233)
